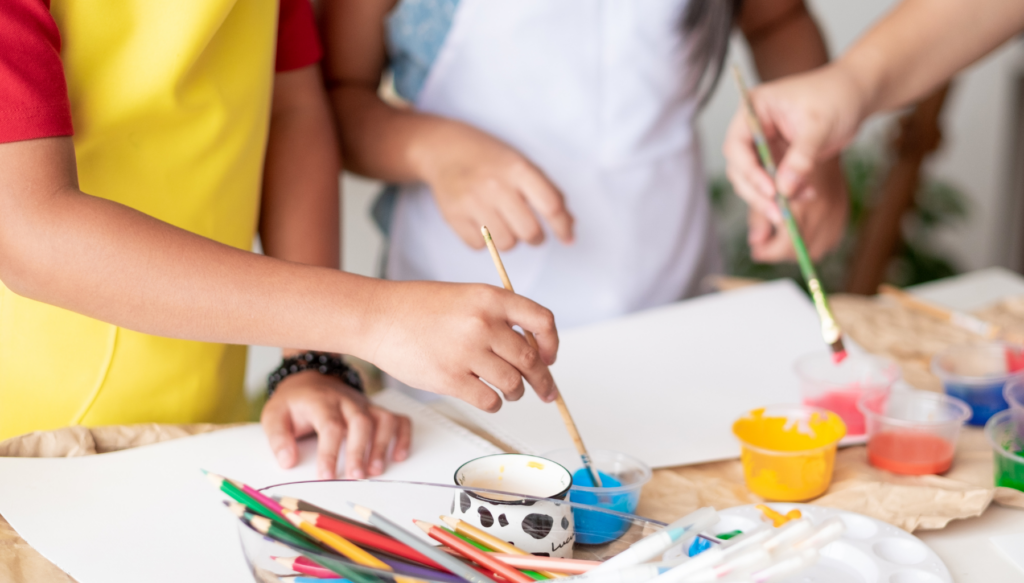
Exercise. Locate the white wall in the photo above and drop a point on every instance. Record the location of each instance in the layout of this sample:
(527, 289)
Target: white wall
(973, 156)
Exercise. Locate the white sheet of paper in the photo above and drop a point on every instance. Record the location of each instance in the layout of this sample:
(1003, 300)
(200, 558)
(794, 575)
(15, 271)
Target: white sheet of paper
(1012, 545)
(665, 385)
(148, 514)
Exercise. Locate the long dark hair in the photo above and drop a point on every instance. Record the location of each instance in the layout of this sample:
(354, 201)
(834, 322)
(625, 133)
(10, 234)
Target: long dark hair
(707, 25)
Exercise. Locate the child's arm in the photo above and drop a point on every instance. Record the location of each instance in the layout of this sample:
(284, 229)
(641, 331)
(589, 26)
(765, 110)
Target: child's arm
(911, 51)
(476, 179)
(102, 259)
(299, 222)
(784, 39)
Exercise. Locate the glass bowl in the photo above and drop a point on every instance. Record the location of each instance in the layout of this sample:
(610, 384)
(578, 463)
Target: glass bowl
(621, 493)
(402, 502)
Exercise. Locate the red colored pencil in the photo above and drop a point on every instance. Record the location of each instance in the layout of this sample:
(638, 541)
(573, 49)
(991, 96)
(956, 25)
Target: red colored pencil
(472, 553)
(306, 567)
(367, 538)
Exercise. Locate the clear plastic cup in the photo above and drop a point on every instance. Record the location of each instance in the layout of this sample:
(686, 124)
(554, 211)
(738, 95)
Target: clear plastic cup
(788, 451)
(913, 432)
(838, 387)
(977, 373)
(1008, 448)
(622, 476)
(1014, 395)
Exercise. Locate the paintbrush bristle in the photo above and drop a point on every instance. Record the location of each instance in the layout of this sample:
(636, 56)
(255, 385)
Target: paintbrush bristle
(839, 353)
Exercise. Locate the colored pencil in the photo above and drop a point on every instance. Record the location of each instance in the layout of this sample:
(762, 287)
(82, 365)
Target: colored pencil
(266, 527)
(829, 328)
(301, 505)
(228, 487)
(305, 566)
(546, 564)
(472, 553)
(367, 538)
(342, 545)
(491, 542)
(535, 575)
(401, 567)
(449, 562)
(563, 409)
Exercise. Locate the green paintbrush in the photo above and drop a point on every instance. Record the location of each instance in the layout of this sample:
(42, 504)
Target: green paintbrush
(829, 329)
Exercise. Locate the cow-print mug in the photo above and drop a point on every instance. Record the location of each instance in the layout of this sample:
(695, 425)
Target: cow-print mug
(540, 527)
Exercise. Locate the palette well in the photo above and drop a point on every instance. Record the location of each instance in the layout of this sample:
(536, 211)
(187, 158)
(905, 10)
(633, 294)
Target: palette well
(870, 551)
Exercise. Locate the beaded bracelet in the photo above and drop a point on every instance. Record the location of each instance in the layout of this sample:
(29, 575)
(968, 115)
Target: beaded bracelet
(324, 363)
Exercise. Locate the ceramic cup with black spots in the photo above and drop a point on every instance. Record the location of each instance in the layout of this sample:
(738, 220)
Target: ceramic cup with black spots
(541, 527)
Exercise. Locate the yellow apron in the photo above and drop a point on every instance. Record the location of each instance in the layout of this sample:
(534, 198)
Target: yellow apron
(171, 103)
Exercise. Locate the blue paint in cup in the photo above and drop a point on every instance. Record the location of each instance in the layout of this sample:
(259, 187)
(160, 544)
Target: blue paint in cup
(977, 375)
(622, 478)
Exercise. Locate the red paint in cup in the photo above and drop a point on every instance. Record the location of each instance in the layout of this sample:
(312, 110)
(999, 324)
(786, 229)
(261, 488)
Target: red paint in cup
(910, 452)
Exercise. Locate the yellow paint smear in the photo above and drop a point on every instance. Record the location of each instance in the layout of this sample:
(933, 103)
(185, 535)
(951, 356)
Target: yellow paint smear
(787, 458)
(532, 464)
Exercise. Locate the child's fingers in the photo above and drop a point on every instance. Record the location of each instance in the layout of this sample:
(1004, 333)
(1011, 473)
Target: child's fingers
(472, 390)
(385, 425)
(501, 375)
(502, 235)
(403, 439)
(520, 219)
(512, 349)
(358, 438)
(330, 431)
(277, 424)
(531, 316)
(548, 202)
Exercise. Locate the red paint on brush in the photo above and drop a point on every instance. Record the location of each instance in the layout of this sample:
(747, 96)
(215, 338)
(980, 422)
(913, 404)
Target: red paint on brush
(844, 404)
(838, 357)
(1014, 359)
(910, 452)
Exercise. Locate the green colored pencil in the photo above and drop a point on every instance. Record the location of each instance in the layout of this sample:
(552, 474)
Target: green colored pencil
(531, 574)
(251, 503)
(829, 328)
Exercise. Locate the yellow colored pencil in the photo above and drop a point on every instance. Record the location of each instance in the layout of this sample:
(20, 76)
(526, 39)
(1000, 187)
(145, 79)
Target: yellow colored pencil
(342, 545)
(492, 542)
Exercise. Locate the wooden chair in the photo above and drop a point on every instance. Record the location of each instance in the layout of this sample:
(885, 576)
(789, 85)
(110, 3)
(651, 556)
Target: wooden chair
(919, 135)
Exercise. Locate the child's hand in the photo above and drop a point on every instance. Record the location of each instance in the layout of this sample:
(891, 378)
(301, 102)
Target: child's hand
(310, 402)
(478, 180)
(444, 338)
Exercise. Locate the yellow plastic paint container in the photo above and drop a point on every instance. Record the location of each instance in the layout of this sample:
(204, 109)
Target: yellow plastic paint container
(788, 451)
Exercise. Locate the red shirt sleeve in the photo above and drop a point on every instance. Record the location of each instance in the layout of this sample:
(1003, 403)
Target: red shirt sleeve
(298, 44)
(33, 92)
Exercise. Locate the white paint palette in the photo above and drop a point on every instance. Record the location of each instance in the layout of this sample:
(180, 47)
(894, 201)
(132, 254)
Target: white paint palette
(871, 551)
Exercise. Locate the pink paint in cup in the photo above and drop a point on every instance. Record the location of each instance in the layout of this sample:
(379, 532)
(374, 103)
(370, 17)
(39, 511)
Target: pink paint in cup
(838, 387)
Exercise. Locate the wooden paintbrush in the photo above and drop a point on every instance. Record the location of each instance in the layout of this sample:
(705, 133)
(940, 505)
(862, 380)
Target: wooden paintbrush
(562, 408)
(959, 319)
(829, 329)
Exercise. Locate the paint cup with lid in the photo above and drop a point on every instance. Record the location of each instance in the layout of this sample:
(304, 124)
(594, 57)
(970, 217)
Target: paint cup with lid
(977, 373)
(622, 478)
(1008, 448)
(913, 432)
(788, 451)
(838, 387)
(1014, 395)
(496, 506)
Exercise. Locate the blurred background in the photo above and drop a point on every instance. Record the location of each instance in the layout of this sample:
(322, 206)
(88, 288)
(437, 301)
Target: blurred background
(964, 207)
